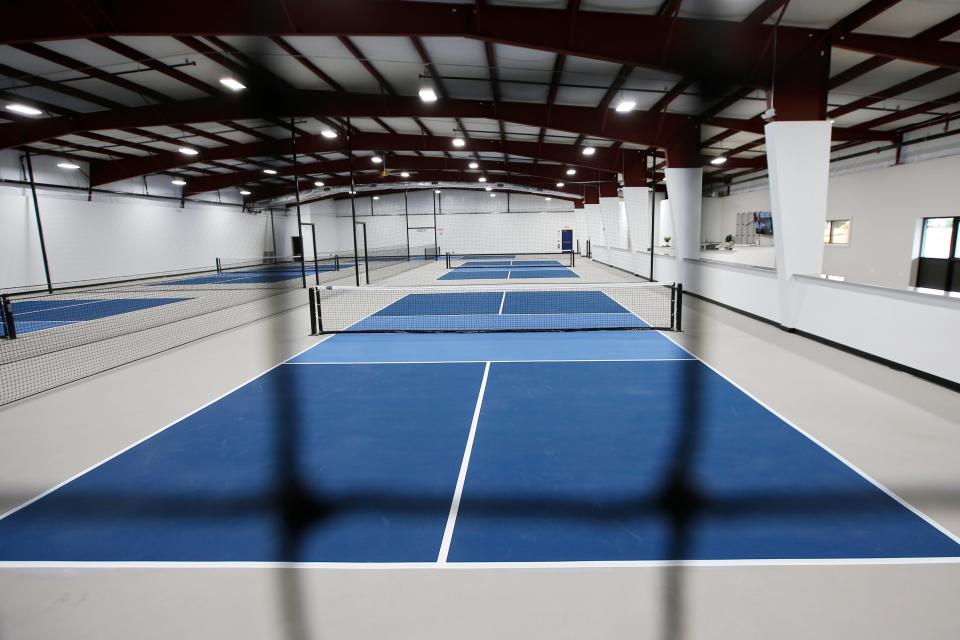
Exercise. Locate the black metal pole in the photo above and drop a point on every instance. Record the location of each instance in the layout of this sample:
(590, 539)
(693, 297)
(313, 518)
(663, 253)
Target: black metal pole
(316, 265)
(679, 323)
(653, 216)
(296, 184)
(353, 204)
(313, 311)
(366, 254)
(273, 234)
(436, 244)
(6, 308)
(406, 218)
(36, 213)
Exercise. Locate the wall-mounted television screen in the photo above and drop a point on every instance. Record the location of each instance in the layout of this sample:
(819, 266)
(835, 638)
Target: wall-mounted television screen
(763, 223)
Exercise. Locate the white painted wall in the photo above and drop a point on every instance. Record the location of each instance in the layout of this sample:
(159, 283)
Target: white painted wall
(116, 236)
(885, 205)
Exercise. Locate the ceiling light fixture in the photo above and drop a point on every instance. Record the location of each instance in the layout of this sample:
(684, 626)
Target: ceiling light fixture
(318, 183)
(482, 179)
(488, 189)
(718, 160)
(233, 84)
(187, 151)
(427, 94)
(625, 105)
(329, 134)
(474, 165)
(23, 109)
(459, 142)
(178, 181)
(571, 172)
(493, 195)
(404, 174)
(270, 172)
(548, 198)
(244, 192)
(376, 197)
(436, 190)
(68, 165)
(376, 159)
(561, 185)
(588, 151)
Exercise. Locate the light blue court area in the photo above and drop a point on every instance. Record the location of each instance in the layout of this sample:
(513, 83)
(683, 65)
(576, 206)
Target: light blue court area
(647, 455)
(501, 310)
(36, 315)
(510, 263)
(515, 273)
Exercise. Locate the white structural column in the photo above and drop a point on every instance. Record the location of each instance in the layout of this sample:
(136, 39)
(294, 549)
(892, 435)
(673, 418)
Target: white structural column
(798, 160)
(614, 222)
(636, 202)
(685, 190)
(591, 212)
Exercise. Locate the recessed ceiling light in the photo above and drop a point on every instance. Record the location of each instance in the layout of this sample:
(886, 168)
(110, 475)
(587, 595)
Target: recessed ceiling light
(23, 109)
(404, 174)
(474, 165)
(560, 185)
(427, 94)
(187, 151)
(459, 142)
(270, 172)
(626, 105)
(328, 133)
(718, 160)
(318, 183)
(588, 151)
(68, 165)
(244, 193)
(233, 84)
(178, 181)
(482, 179)
(571, 172)
(376, 159)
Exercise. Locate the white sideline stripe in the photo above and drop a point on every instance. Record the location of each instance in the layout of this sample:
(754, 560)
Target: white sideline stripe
(160, 430)
(503, 299)
(933, 523)
(66, 306)
(462, 478)
(473, 566)
(333, 362)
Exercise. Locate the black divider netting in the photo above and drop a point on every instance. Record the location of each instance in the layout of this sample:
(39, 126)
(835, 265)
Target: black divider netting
(51, 339)
(496, 308)
(384, 262)
(509, 260)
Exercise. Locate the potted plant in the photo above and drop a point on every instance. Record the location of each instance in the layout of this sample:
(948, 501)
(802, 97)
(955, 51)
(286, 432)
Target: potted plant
(666, 241)
(729, 240)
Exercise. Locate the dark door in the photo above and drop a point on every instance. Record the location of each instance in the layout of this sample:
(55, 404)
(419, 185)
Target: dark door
(297, 246)
(566, 240)
(939, 266)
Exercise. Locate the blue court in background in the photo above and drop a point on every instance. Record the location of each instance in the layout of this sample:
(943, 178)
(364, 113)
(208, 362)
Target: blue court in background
(508, 270)
(351, 451)
(36, 315)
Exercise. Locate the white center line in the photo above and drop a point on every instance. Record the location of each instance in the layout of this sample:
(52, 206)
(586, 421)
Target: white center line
(462, 478)
(502, 300)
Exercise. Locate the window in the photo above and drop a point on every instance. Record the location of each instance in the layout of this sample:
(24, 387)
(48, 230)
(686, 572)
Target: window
(836, 232)
(937, 236)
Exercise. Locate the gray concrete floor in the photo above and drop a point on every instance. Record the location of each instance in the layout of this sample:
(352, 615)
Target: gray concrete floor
(902, 431)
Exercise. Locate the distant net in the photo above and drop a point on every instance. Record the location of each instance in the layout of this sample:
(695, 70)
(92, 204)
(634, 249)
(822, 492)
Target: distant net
(514, 260)
(496, 308)
(81, 329)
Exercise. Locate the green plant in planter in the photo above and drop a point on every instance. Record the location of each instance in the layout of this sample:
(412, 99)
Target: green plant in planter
(666, 240)
(729, 241)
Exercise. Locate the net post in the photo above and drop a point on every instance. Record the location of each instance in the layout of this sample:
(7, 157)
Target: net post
(219, 266)
(573, 259)
(9, 326)
(366, 255)
(312, 296)
(448, 259)
(679, 316)
(336, 261)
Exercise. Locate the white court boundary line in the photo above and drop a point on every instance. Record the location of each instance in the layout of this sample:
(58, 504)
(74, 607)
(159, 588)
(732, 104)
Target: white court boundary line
(503, 300)
(47, 492)
(368, 362)
(462, 477)
(498, 565)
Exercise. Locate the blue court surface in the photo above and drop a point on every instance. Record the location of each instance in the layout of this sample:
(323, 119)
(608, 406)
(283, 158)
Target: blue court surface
(515, 273)
(36, 315)
(614, 447)
(515, 310)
